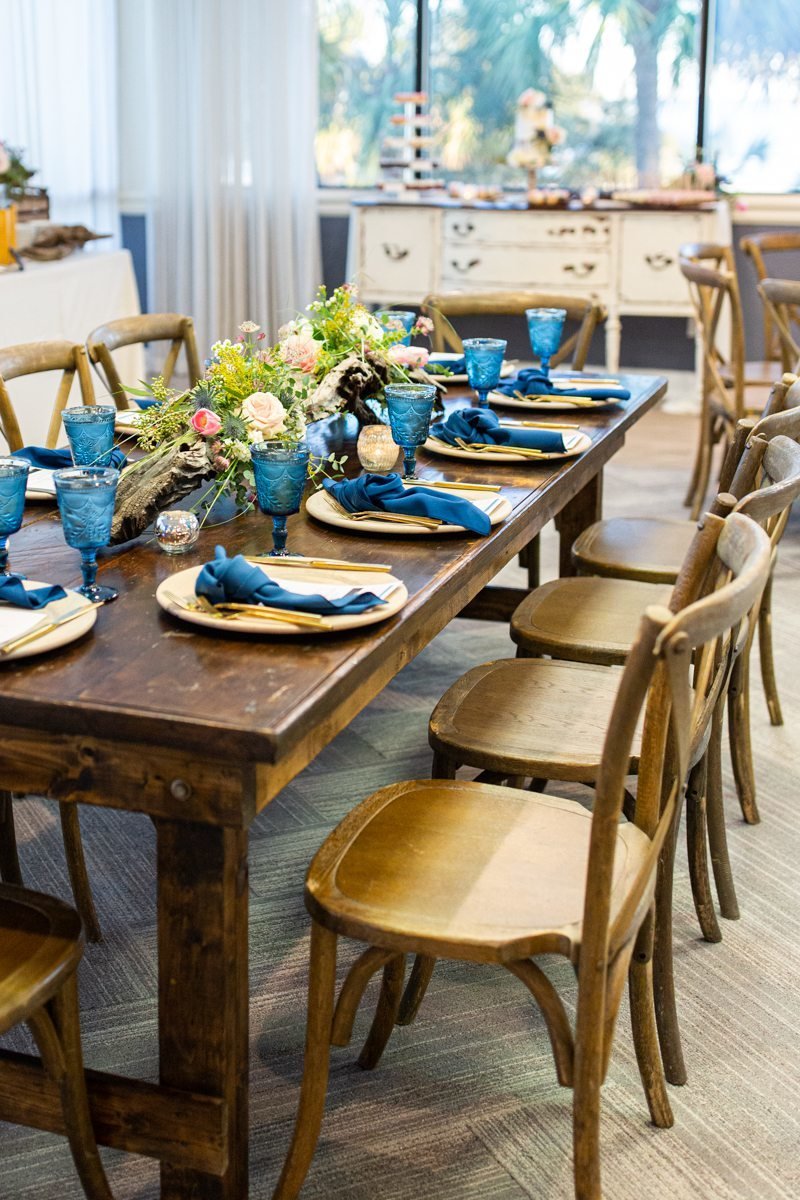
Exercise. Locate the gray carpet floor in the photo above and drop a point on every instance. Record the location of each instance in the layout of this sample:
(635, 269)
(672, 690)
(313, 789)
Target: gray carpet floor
(465, 1104)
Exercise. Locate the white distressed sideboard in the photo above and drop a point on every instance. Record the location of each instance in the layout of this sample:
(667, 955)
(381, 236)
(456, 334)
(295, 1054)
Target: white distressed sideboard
(627, 260)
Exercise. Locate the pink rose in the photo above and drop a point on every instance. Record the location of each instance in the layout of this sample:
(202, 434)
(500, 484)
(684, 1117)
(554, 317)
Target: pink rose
(264, 413)
(206, 422)
(409, 356)
(301, 351)
(424, 326)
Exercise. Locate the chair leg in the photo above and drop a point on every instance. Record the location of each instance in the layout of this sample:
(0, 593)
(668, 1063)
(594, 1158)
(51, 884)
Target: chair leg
(385, 1014)
(739, 737)
(696, 837)
(442, 767)
(10, 870)
(717, 834)
(586, 1126)
(664, 981)
(78, 875)
(698, 495)
(767, 658)
(321, 987)
(643, 1026)
(417, 986)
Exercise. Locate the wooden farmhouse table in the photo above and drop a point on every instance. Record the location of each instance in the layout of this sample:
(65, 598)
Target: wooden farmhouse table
(201, 730)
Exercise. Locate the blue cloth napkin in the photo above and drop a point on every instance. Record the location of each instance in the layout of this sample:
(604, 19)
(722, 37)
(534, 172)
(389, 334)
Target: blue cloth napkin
(531, 382)
(482, 425)
(236, 580)
(12, 592)
(53, 460)
(387, 494)
(144, 403)
(458, 366)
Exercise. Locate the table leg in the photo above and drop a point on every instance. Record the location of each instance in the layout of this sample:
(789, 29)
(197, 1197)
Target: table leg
(577, 515)
(203, 988)
(613, 340)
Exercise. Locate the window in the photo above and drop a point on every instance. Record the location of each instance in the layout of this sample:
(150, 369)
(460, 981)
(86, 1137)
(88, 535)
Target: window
(624, 77)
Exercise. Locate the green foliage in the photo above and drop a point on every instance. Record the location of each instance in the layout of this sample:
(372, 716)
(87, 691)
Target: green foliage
(16, 175)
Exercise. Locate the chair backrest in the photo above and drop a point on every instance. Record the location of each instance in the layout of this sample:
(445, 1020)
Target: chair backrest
(755, 247)
(781, 301)
(672, 674)
(130, 331)
(710, 271)
(782, 416)
(778, 462)
(443, 305)
(32, 358)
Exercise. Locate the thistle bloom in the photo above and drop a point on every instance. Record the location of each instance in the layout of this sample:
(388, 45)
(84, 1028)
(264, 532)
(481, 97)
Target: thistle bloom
(206, 422)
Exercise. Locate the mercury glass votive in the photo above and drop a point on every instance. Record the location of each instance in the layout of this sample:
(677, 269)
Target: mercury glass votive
(397, 318)
(176, 530)
(90, 431)
(376, 448)
(545, 326)
(483, 358)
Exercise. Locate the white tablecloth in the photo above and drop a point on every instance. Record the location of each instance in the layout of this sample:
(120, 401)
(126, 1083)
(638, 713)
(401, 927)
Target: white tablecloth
(66, 299)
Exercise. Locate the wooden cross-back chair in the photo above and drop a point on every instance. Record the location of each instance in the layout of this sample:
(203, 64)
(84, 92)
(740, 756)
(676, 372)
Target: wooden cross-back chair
(574, 349)
(781, 301)
(488, 874)
(33, 358)
(41, 945)
(756, 247)
(131, 331)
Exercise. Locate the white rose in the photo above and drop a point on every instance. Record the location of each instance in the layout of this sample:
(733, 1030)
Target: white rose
(264, 413)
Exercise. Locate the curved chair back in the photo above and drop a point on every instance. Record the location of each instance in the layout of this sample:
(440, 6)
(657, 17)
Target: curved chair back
(781, 301)
(755, 247)
(32, 358)
(443, 305)
(130, 331)
(710, 272)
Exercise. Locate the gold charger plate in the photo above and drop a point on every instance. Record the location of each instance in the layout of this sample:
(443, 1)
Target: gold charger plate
(583, 442)
(181, 585)
(554, 405)
(52, 612)
(319, 506)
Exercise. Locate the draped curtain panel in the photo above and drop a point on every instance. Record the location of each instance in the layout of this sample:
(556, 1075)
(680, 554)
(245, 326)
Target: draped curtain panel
(234, 228)
(58, 100)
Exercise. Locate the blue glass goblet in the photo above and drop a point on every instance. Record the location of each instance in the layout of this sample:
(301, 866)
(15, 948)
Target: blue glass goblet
(396, 318)
(86, 497)
(13, 480)
(410, 407)
(90, 430)
(484, 361)
(280, 470)
(544, 329)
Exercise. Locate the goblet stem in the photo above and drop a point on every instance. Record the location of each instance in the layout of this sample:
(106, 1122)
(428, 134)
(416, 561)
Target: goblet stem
(90, 589)
(279, 532)
(483, 397)
(546, 366)
(409, 462)
(4, 556)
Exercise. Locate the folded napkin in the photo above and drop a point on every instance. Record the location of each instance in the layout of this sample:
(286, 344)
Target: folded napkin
(238, 581)
(457, 365)
(386, 493)
(482, 425)
(531, 382)
(54, 460)
(143, 402)
(12, 592)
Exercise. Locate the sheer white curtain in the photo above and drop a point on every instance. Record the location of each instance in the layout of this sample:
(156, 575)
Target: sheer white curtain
(234, 228)
(58, 100)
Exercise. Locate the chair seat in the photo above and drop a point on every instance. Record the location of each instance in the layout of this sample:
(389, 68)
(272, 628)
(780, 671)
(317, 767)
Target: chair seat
(529, 716)
(464, 870)
(40, 944)
(586, 618)
(650, 549)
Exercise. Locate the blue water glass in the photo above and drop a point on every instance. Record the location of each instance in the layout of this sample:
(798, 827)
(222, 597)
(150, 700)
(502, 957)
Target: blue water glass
(396, 318)
(86, 497)
(281, 470)
(545, 326)
(410, 407)
(13, 480)
(90, 430)
(484, 361)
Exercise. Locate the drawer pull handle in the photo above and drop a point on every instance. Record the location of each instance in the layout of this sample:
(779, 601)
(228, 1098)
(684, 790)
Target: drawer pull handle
(464, 267)
(394, 252)
(463, 230)
(564, 231)
(580, 270)
(658, 261)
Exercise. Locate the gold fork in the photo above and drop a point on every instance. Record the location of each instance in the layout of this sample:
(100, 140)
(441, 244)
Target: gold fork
(229, 611)
(378, 515)
(487, 448)
(577, 401)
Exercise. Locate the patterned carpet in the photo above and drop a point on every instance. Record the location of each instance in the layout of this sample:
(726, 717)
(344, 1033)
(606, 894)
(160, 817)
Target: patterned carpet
(465, 1103)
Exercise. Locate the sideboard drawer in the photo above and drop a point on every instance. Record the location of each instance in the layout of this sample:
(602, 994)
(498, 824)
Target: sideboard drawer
(649, 271)
(396, 255)
(525, 266)
(528, 228)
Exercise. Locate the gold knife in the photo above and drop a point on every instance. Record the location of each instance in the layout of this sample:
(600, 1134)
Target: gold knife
(464, 487)
(24, 639)
(336, 564)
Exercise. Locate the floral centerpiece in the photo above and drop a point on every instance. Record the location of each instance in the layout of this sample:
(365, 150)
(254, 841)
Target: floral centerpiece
(329, 360)
(535, 135)
(15, 180)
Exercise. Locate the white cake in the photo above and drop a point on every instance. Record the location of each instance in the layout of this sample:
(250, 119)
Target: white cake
(534, 132)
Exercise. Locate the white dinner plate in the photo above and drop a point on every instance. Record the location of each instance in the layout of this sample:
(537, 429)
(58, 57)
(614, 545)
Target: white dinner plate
(554, 405)
(128, 419)
(182, 585)
(14, 622)
(40, 485)
(582, 443)
(507, 369)
(496, 507)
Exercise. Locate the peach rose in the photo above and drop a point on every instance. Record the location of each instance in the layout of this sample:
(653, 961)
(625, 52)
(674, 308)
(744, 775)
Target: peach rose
(206, 422)
(301, 351)
(264, 413)
(409, 356)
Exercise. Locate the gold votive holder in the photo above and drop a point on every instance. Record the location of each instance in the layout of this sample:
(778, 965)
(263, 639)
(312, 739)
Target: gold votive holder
(375, 448)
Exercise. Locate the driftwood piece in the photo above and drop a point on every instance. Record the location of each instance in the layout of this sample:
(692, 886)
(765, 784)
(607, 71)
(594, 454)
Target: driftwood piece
(156, 483)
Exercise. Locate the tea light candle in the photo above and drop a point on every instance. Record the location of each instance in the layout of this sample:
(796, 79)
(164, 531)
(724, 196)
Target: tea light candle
(176, 531)
(375, 448)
